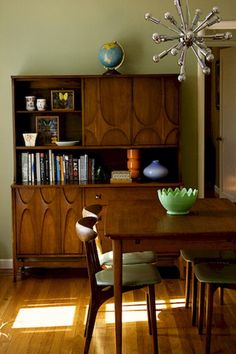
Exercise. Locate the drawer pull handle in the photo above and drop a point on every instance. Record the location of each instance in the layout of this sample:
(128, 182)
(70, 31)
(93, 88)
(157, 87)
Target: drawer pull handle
(98, 196)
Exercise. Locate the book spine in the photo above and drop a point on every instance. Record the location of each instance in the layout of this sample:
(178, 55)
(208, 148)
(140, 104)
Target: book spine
(24, 167)
(37, 158)
(58, 171)
(83, 168)
(46, 163)
(62, 172)
(42, 168)
(75, 170)
(50, 162)
(70, 168)
(33, 168)
(66, 168)
(29, 168)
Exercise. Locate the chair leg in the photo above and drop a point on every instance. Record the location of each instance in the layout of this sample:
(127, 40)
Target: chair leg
(187, 283)
(194, 298)
(90, 322)
(152, 302)
(149, 314)
(87, 321)
(221, 294)
(201, 307)
(209, 311)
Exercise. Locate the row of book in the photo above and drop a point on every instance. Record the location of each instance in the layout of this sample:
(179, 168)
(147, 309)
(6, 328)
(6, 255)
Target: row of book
(49, 167)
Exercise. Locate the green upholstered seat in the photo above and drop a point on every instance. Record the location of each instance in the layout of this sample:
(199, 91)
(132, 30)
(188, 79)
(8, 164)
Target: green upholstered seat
(106, 259)
(216, 273)
(190, 255)
(133, 275)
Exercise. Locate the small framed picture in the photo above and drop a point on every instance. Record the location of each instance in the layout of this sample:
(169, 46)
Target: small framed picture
(62, 100)
(47, 128)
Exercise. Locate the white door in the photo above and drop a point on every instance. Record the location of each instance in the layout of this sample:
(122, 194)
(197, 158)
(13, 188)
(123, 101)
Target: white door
(228, 123)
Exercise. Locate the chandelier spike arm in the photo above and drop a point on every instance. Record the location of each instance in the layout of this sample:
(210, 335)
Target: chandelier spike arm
(206, 22)
(188, 15)
(196, 18)
(177, 3)
(157, 57)
(172, 20)
(202, 64)
(149, 17)
(188, 36)
(176, 49)
(204, 51)
(181, 62)
(160, 38)
(213, 21)
(217, 36)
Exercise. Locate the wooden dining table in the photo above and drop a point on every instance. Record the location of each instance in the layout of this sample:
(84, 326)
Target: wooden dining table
(144, 225)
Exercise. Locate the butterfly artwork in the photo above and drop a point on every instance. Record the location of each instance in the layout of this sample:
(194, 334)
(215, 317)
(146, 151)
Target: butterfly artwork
(62, 100)
(63, 96)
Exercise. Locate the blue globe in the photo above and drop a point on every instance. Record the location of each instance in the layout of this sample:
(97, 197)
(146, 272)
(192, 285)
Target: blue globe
(111, 55)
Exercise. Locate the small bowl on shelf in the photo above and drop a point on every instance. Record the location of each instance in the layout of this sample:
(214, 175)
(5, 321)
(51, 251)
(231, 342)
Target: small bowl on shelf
(177, 201)
(67, 143)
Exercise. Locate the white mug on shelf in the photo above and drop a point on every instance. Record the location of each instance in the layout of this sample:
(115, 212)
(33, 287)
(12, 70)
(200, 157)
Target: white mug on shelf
(30, 138)
(30, 103)
(41, 104)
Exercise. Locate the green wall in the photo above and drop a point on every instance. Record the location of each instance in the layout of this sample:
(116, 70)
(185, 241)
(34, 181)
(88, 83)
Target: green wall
(63, 37)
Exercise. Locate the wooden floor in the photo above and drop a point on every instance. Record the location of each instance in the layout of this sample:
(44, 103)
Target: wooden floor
(43, 296)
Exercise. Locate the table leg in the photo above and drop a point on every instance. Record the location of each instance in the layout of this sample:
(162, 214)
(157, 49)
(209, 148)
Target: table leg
(117, 267)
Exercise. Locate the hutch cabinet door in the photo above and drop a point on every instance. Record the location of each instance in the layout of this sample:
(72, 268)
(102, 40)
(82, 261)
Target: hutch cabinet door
(71, 211)
(107, 111)
(156, 111)
(37, 221)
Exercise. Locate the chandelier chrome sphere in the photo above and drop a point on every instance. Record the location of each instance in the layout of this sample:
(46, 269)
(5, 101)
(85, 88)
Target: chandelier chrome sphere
(188, 34)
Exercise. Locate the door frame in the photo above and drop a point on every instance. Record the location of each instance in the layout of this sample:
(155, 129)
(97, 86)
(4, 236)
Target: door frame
(223, 25)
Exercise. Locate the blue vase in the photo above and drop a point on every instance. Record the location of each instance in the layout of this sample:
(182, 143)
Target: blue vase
(155, 170)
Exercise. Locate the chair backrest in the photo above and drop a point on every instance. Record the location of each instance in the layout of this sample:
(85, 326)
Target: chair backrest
(85, 231)
(94, 210)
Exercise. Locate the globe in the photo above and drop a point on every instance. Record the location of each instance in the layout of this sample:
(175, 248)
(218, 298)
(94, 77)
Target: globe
(111, 56)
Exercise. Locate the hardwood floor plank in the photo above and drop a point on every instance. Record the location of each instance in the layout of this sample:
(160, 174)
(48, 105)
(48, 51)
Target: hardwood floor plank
(58, 290)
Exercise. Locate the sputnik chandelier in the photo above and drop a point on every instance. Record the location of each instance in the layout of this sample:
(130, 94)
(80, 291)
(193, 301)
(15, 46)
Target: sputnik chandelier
(188, 34)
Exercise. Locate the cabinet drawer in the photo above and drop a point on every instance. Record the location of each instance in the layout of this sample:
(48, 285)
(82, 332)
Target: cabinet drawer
(101, 195)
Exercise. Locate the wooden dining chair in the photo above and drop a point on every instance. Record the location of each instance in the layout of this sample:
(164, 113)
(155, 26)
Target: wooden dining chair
(106, 258)
(212, 276)
(135, 276)
(191, 257)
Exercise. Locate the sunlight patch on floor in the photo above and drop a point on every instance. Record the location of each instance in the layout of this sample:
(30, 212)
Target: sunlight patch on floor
(50, 316)
(137, 311)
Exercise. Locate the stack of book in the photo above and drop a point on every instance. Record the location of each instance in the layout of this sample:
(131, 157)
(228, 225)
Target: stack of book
(122, 176)
(48, 167)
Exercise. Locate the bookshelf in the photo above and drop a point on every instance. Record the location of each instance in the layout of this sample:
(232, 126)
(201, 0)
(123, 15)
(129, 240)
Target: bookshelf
(83, 135)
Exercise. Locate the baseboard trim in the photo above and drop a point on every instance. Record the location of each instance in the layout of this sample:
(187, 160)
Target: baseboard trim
(6, 264)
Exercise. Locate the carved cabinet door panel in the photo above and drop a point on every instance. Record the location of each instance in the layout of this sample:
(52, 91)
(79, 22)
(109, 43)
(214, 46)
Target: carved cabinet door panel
(47, 208)
(107, 111)
(155, 111)
(25, 225)
(37, 221)
(71, 211)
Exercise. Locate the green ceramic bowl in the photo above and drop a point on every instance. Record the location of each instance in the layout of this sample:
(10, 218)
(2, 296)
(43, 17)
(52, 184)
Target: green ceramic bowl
(177, 201)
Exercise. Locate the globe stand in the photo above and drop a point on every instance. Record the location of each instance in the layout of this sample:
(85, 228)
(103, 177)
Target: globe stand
(111, 72)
